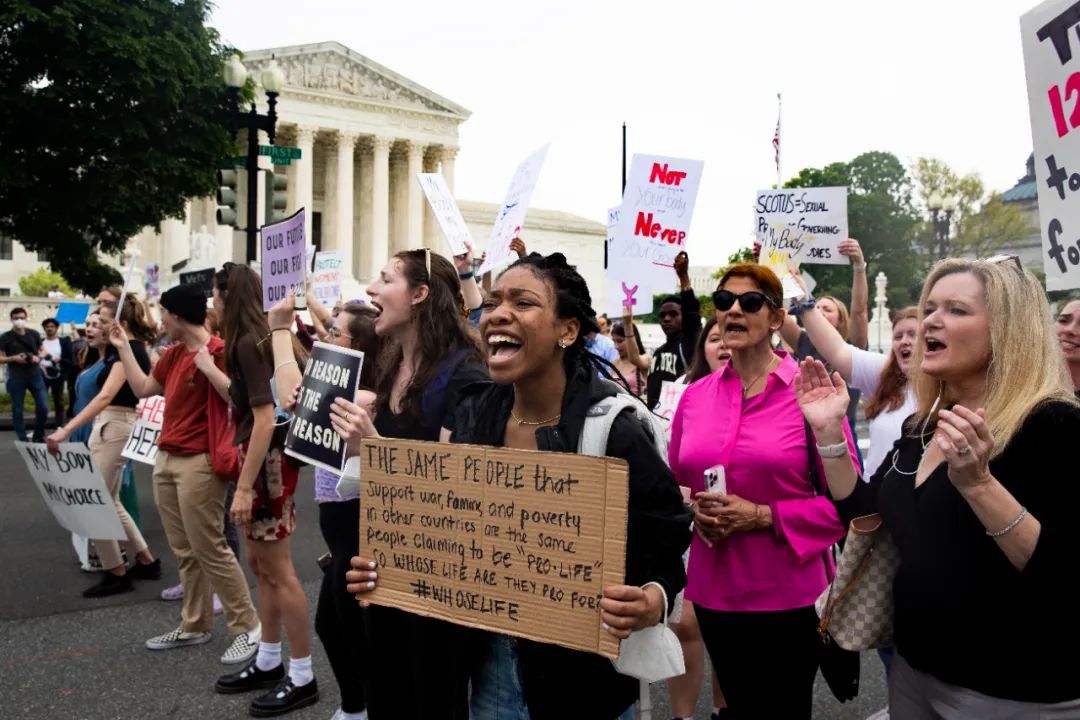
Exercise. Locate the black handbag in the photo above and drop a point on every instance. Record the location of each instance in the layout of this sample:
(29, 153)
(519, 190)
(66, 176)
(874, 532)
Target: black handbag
(839, 667)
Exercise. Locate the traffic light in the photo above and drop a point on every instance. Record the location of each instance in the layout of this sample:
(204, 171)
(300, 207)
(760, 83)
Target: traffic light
(277, 200)
(227, 197)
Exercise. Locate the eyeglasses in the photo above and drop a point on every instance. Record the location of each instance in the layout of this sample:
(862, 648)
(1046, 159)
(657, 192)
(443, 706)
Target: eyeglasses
(750, 302)
(334, 334)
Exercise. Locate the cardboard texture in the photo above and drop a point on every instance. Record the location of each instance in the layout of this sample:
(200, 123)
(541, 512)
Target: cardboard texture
(513, 541)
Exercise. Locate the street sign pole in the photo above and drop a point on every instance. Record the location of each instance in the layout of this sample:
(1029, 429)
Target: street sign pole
(252, 229)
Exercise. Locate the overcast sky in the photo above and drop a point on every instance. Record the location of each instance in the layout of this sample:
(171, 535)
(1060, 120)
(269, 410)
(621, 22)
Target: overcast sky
(942, 78)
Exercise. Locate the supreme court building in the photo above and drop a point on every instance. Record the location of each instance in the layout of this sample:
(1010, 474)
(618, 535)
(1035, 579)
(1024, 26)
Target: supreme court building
(363, 132)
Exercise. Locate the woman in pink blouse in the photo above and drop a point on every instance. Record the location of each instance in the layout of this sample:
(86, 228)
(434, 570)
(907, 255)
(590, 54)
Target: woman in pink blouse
(758, 559)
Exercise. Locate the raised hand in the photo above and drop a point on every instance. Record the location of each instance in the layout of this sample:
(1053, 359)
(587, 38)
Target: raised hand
(823, 400)
(281, 315)
(518, 246)
(464, 262)
(851, 249)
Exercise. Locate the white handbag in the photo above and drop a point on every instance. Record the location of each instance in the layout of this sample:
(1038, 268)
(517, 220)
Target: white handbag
(652, 654)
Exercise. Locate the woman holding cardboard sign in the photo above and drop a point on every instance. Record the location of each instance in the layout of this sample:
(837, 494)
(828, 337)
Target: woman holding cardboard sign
(112, 411)
(429, 356)
(263, 503)
(534, 325)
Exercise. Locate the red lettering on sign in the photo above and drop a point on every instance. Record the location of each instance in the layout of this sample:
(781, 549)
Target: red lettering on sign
(668, 177)
(645, 227)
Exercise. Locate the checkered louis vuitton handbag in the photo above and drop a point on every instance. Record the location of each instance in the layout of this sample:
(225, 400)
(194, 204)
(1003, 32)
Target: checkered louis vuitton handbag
(856, 609)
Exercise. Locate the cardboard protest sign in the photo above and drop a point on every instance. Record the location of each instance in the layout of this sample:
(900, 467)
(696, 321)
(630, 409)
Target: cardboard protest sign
(73, 490)
(75, 312)
(284, 251)
(331, 372)
(512, 213)
(670, 395)
(654, 222)
(326, 277)
(511, 541)
(203, 278)
(801, 225)
(142, 443)
(1052, 63)
(446, 211)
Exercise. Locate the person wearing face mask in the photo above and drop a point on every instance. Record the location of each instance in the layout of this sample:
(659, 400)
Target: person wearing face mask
(978, 498)
(20, 350)
(1068, 333)
(680, 319)
(430, 356)
(533, 327)
(758, 560)
(339, 619)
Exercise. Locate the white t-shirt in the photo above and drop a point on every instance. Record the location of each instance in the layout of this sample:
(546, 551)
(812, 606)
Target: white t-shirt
(887, 427)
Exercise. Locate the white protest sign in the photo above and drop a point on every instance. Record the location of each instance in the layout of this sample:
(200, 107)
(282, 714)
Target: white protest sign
(142, 443)
(1052, 61)
(127, 279)
(670, 395)
(653, 224)
(803, 225)
(446, 211)
(326, 278)
(612, 226)
(73, 490)
(512, 213)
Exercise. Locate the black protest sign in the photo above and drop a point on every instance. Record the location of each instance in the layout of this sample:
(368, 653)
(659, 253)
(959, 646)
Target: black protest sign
(332, 372)
(203, 278)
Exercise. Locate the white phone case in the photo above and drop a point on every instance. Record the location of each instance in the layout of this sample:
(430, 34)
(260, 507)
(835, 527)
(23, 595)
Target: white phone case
(716, 480)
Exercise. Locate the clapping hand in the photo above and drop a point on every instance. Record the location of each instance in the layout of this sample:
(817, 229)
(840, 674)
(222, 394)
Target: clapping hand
(824, 400)
(966, 443)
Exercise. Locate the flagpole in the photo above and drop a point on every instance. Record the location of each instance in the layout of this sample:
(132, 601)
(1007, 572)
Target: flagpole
(779, 156)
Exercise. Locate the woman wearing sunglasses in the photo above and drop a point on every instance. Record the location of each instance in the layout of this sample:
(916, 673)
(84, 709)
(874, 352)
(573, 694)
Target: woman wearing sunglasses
(758, 560)
(980, 499)
(263, 503)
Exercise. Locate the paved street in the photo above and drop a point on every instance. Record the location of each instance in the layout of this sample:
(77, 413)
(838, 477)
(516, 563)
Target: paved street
(64, 657)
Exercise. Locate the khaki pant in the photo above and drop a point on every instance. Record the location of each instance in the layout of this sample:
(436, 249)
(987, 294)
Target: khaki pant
(111, 430)
(191, 500)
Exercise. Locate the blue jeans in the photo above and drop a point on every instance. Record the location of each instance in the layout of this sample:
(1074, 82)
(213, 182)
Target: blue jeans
(17, 388)
(496, 688)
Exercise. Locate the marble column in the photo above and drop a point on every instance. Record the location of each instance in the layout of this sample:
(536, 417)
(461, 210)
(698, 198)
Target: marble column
(329, 213)
(304, 176)
(415, 206)
(368, 269)
(380, 202)
(449, 154)
(432, 232)
(399, 199)
(343, 210)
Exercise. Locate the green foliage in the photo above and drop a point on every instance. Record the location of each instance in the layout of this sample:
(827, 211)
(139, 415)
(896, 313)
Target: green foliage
(743, 255)
(881, 216)
(41, 281)
(993, 226)
(112, 117)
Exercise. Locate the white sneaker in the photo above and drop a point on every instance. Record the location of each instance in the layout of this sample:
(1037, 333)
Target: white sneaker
(177, 638)
(340, 715)
(243, 647)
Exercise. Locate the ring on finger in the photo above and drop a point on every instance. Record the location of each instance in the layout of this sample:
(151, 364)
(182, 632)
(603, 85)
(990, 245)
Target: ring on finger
(348, 417)
(963, 450)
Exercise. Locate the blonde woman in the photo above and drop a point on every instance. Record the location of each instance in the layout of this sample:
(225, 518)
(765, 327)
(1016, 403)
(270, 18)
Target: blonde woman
(979, 497)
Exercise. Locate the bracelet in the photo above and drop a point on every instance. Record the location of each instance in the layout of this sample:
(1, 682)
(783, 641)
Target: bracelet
(797, 309)
(833, 451)
(859, 268)
(281, 329)
(287, 362)
(466, 276)
(1009, 528)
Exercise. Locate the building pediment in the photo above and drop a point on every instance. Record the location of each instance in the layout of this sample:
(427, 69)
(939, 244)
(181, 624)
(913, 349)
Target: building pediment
(332, 70)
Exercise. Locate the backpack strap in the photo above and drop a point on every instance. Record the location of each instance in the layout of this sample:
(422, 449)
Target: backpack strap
(600, 418)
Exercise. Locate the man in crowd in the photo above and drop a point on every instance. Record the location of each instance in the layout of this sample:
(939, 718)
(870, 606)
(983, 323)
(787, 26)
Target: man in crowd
(680, 319)
(20, 350)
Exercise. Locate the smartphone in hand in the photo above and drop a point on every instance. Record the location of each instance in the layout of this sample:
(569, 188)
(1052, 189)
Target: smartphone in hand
(715, 480)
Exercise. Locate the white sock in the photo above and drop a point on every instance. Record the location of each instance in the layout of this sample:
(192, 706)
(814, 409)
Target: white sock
(269, 656)
(300, 671)
(362, 715)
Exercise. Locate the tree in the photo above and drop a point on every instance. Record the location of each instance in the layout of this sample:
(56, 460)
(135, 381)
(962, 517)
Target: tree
(41, 281)
(993, 226)
(110, 118)
(742, 255)
(881, 216)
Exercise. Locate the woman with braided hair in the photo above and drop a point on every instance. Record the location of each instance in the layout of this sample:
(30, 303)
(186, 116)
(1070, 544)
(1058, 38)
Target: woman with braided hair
(533, 329)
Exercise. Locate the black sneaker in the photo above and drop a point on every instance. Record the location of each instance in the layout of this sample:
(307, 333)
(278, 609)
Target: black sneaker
(146, 571)
(110, 585)
(285, 697)
(250, 678)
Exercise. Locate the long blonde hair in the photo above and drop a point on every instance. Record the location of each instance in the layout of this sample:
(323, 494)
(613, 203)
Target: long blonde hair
(1026, 365)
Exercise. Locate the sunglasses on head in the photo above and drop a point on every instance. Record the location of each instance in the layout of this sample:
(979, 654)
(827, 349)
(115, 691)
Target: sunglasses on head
(997, 259)
(750, 302)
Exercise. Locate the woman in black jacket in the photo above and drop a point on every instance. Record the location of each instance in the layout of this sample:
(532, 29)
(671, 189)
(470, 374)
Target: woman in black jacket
(533, 326)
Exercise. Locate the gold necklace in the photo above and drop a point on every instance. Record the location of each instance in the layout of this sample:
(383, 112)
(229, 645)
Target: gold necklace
(531, 422)
(746, 388)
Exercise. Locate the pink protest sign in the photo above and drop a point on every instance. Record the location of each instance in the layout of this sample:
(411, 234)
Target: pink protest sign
(284, 255)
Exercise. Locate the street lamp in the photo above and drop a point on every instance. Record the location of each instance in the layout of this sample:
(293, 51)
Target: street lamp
(941, 212)
(273, 80)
